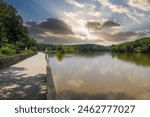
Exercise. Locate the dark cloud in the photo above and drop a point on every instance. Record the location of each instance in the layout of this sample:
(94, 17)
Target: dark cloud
(117, 37)
(94, 25)
(62, 40)
(99, 26)
(99, 31)
(125, 34)
(35, 30)
(109, 24)
(55, 26)
(54, 31)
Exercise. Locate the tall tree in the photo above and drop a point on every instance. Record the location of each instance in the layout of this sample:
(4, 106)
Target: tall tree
(12, 30)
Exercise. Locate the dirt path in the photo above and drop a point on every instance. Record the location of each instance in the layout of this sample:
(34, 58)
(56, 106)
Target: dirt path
(25, 80)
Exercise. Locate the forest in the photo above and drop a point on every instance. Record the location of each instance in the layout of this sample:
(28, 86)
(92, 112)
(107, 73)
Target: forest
(14, 37)
(80, 48)
(138, 46)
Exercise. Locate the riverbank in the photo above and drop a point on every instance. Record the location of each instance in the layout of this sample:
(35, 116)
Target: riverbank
(25, 80)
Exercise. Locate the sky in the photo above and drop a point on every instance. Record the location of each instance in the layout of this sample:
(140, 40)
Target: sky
(103, 22)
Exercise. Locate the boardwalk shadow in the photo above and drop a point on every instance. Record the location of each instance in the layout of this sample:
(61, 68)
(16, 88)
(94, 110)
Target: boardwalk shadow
(14, 86)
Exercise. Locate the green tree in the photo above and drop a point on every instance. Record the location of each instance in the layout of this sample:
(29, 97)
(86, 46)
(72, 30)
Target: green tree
(12, 30)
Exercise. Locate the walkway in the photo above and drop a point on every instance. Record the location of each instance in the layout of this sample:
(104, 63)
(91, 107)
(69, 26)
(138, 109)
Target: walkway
(25, 80)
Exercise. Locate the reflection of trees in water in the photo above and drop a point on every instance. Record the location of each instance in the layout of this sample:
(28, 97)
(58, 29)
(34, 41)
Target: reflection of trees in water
(136, 58)
(60, 56)
(72, 95)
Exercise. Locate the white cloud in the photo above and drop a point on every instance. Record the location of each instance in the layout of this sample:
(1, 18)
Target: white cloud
(141, 4)
(129, 12)
(75, 3)
(113, 7)
(94, 14)
(70, 14)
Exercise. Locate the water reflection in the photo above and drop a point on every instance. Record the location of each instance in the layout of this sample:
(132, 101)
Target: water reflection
(60, 56)
(136, 58)
(100, 76)
(70, 94)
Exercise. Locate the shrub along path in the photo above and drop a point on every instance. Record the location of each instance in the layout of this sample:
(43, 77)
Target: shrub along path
(25, 80)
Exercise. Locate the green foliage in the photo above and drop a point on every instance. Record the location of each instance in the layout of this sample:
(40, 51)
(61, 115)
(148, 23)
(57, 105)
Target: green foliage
(60, 56)
(91, 48)
(73, 48)
(65, 49)
(34, 49)
(1, 55)
(26, 43)
(138, 46)
(27, 51)
(42, 47)
(13, 32)
(137, 58)
(60, 49)
(7, 49)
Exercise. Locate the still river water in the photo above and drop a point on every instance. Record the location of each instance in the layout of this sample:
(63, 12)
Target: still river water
(101, 76)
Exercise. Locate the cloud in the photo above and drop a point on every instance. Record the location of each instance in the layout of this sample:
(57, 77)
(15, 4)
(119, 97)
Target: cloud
(70, 14)
(94, 14)
(75, 3)
(99, 26)
(56, 26)
(86, 8)
(109, 24)
(108, 31)
(141, 4)
(122, 36)
(118, 37)
(94, 25)
(61, 39)
(113, 7)
(118, 9)
(91, 22)
(56, 31)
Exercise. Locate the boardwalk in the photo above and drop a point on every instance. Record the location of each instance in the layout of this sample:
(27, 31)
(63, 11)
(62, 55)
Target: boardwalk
(25, 80)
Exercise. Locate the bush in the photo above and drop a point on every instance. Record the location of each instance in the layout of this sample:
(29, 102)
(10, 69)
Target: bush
(8, 49)
(137, 50)
(27, 51)
(34, 49)
(1, 55)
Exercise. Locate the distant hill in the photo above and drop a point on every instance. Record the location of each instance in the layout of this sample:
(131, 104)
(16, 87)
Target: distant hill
(138, 46)
(74, 48)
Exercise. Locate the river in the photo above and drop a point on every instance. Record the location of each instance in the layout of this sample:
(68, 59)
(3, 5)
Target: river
(101, 76)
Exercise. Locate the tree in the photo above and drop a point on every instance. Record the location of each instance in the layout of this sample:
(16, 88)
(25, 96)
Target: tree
(138, 46)
(12, 30)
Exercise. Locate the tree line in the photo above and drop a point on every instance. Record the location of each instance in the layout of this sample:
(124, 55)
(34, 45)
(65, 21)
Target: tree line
(80, 48)
(138, 46)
